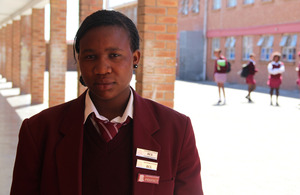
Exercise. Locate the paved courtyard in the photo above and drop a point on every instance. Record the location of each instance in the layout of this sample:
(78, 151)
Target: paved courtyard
(245, 148)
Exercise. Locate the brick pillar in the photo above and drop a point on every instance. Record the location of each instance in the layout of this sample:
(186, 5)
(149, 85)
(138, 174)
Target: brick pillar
(86, 7)
(16, 53)
(157, 24)
(2, 52)
(25, 54)
(58, 52)
(38, 56)
(8, 52)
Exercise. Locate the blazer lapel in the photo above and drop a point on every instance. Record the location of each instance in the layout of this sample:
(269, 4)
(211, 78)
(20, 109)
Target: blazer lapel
(144, 126)
(69, 149)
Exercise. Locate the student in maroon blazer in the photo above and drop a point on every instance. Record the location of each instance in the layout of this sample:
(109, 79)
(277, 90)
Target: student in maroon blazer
(61, 150)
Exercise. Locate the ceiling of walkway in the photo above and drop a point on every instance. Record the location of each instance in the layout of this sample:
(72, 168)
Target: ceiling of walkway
(12, 9)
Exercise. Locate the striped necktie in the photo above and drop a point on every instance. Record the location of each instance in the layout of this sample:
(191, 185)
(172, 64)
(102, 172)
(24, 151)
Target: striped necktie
(108, 130)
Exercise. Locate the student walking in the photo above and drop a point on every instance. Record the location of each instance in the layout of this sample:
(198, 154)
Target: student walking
(250, 78)
(220, 73)
(298, 70)
(275, 69)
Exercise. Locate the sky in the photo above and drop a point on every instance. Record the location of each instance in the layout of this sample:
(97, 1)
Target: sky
(73, 16)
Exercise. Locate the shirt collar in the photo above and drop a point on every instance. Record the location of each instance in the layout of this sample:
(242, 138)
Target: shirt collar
(90, 108)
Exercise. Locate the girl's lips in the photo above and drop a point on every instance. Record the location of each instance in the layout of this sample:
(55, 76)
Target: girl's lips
(104, 85)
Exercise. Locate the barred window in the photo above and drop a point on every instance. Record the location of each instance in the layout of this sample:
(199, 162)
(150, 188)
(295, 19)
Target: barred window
(266, 44)
(231, 3)
(230, 48)
(184, 8)
(195, 6)
(217, 4)
(247, 47)
(248, 2)
(288, 44)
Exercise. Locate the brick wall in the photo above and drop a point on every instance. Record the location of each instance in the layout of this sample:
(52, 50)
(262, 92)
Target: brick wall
(157, 24)
(16, 53)
(254, 20)
(87, 7)
(58, 52)
(38, 53)
(25, 54)
(8, 52)
(2, 51)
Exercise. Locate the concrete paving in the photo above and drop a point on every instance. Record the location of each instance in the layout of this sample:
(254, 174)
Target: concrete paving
(245, 148)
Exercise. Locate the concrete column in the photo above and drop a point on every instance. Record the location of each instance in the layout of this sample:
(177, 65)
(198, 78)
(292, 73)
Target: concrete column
(2, 51)
(157, 24)
(16, 53)
(58, 52)
(86, 7)
(25, 54)
(8, 52)
(38, 56)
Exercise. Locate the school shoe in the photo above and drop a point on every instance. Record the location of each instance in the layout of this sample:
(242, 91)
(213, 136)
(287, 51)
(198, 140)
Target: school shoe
(249, 100)
(219, 102)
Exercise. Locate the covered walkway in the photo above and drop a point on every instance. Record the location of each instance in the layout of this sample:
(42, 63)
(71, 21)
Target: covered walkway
(248, 149)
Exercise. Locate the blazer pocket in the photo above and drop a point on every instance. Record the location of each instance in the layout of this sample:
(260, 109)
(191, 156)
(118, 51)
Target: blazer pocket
(165, 187)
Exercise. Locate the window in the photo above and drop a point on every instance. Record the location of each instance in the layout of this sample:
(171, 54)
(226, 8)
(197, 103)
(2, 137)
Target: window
(247, 47)
(215, 45)
(266, 44)
(196, 6)
(217, 4)
(184, 8)
(288, 44)
(231, 3)
(230, 48)
(248, 2)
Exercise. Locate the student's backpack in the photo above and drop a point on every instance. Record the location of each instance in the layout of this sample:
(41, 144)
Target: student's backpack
(228, 67)
(245, 70)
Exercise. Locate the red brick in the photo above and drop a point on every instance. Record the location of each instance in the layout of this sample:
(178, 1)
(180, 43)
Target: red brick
(155, 10)
(155, 28)
(8, 52)
(167, 19)
(16, 53)
(165, 70)
(166, 37)
(58, 52)
(167, 54)
(38, 56)
(167, 3)
(155, 44)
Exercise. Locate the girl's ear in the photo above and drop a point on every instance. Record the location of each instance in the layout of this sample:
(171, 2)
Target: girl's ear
(136, 56)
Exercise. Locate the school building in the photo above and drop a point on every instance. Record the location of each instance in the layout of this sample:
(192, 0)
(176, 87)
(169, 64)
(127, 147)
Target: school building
(238, 28)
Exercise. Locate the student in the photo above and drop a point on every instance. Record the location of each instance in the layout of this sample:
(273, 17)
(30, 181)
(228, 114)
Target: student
(298, 70)
(275, 69)
(220, 73)
(109, 140)
(250, 78)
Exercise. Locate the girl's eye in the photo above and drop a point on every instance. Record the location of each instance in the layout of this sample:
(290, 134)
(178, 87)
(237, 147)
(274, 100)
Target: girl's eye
(114, 55)
(90, 57)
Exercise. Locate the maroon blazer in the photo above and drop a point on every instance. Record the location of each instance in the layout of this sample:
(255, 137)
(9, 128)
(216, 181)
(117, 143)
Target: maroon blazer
(49, 153)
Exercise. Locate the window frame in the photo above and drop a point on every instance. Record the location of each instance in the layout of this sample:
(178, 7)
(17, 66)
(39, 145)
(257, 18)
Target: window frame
(288, 43)
(247, 47)
(231, 3)
(217, 4)
(230, 48)
(266, 47)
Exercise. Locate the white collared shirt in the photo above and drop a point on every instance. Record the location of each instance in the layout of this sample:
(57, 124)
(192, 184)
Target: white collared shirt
(90, 108)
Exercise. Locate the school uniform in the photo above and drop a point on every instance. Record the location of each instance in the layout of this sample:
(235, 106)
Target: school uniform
(251, 68)
(275, 70)
(298, 81)
(220, 72)
(154, 154)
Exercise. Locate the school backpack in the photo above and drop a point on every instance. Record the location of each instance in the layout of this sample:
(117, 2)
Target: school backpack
(228, 67)
(245, 70)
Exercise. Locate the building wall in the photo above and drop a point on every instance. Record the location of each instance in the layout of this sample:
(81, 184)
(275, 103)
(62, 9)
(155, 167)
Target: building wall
(275, 17)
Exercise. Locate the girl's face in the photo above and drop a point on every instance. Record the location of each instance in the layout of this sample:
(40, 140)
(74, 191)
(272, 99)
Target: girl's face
(276, 58)
(106, 62)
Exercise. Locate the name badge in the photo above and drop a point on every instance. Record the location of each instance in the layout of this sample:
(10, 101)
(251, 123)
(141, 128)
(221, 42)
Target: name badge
(146, 153)
(144, 164)
(153, 179)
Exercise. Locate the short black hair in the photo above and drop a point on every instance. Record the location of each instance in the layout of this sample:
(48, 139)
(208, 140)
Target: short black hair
(107, 18)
